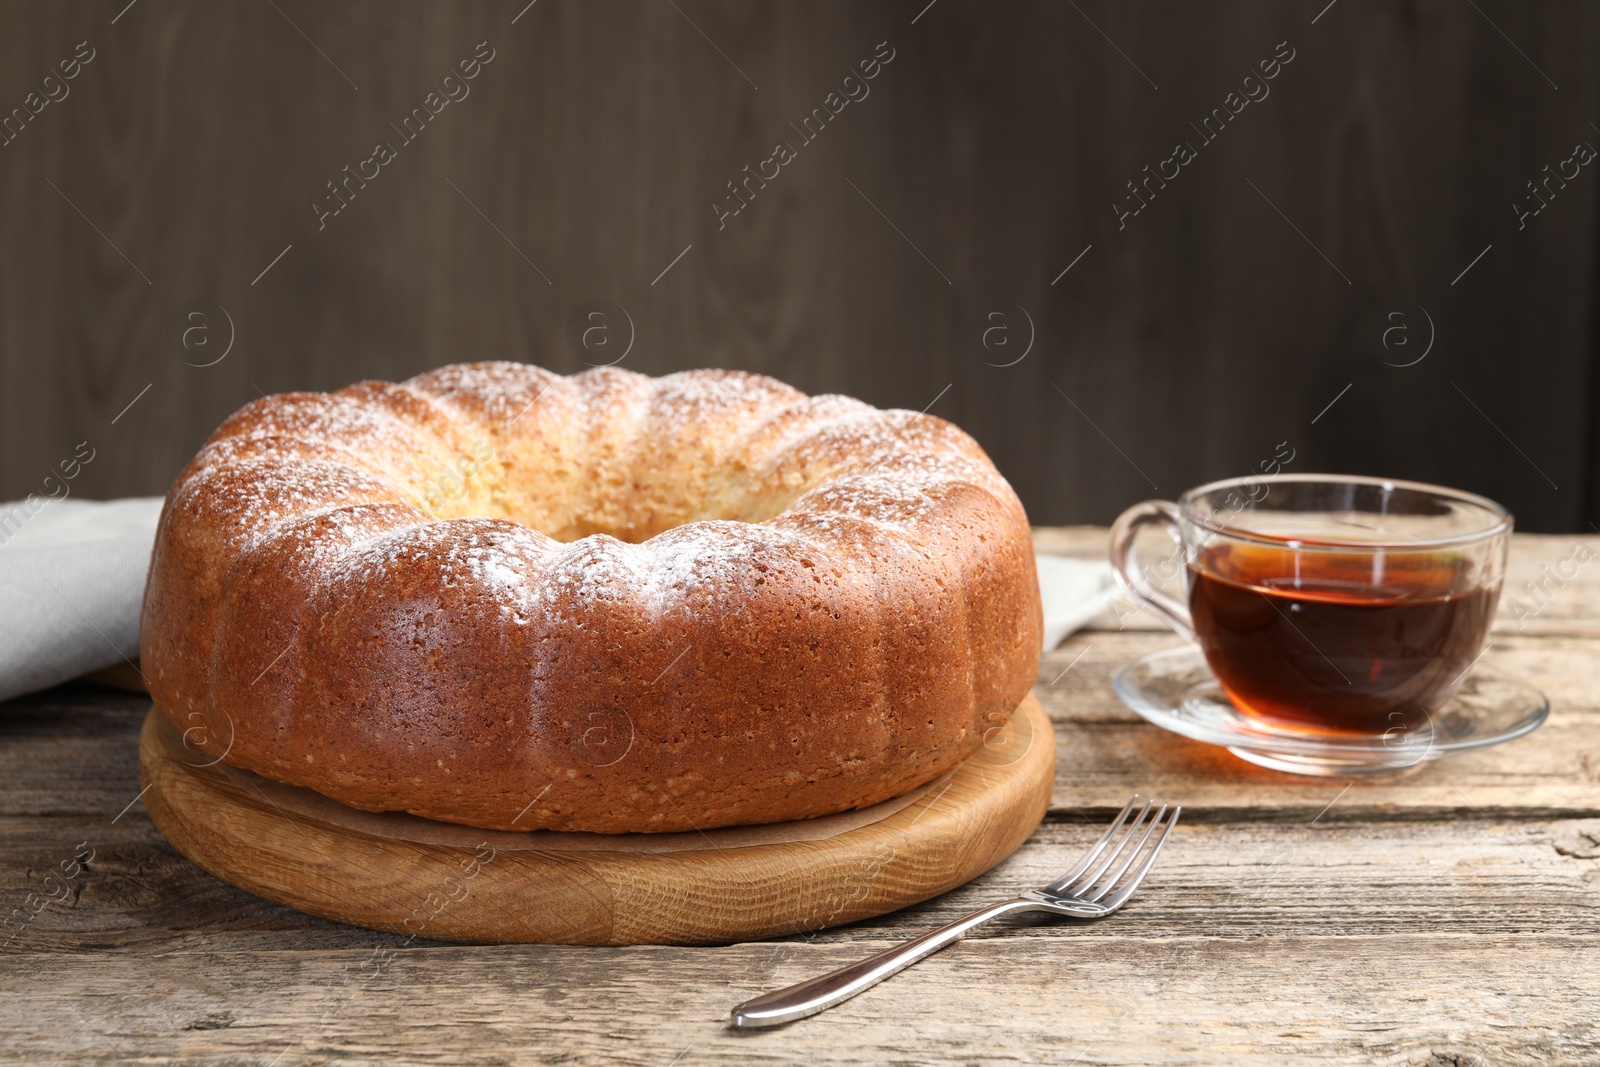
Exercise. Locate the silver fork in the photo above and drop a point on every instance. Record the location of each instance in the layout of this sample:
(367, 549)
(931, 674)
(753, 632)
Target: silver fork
(1085, 892)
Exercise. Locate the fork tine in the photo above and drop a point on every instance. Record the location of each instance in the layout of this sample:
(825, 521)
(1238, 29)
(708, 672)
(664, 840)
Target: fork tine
(1090, 856)
(1099, 868)
(1120, 896)
(1099, 889)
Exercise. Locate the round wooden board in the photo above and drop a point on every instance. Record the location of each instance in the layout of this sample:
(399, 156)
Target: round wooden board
(623, 891)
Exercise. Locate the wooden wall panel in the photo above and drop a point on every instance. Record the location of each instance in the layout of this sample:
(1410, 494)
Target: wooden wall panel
(1184, 346)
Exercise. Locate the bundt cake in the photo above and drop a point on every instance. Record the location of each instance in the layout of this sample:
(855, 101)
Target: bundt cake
(502, 597)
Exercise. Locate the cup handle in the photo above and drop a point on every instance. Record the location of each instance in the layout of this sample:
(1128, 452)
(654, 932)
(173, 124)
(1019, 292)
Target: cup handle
(1130, 571)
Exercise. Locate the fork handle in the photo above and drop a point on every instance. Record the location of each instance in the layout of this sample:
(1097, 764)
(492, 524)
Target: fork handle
(835, 987)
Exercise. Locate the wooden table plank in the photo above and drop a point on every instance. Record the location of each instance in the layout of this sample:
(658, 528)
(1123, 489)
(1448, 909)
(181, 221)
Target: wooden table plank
(1445, 916)
(1104, 748)
(1066, 995)
(1321, 875)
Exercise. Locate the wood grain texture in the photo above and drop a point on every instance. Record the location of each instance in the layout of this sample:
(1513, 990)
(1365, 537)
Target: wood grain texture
(1288, 921)
(1064, 995)
(501, 890)
(986, 158)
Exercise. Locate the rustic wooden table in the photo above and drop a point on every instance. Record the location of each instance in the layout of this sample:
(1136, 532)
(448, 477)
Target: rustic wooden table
(1445, 916)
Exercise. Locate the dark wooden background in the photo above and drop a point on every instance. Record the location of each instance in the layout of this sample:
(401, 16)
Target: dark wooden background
(1220, 322)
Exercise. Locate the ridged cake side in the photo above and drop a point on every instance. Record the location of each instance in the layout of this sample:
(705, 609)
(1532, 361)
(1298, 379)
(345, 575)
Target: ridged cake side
(502, 597)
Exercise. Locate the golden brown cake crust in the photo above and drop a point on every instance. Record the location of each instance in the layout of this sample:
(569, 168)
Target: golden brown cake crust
(498, 596)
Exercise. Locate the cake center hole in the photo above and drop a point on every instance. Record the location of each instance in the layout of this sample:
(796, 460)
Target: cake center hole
(631, 498)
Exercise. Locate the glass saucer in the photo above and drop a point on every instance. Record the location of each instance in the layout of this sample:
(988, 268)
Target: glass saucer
(1175, 690)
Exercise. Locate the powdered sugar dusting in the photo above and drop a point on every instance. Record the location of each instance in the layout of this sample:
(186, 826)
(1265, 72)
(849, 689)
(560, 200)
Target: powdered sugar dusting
(496, 559)
(498, 393)
(249, 500)
(724, 399)
(697, 565)
(596, 569)
(833, 461)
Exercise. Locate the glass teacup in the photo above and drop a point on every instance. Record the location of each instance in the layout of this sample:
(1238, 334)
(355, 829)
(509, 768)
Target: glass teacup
(1328, 605)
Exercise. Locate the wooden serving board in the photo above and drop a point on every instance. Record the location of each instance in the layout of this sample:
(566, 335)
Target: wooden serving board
(409, 875)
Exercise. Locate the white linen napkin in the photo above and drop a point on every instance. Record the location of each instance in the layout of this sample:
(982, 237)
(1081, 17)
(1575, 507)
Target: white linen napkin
(1074, 591)
(72, 578)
